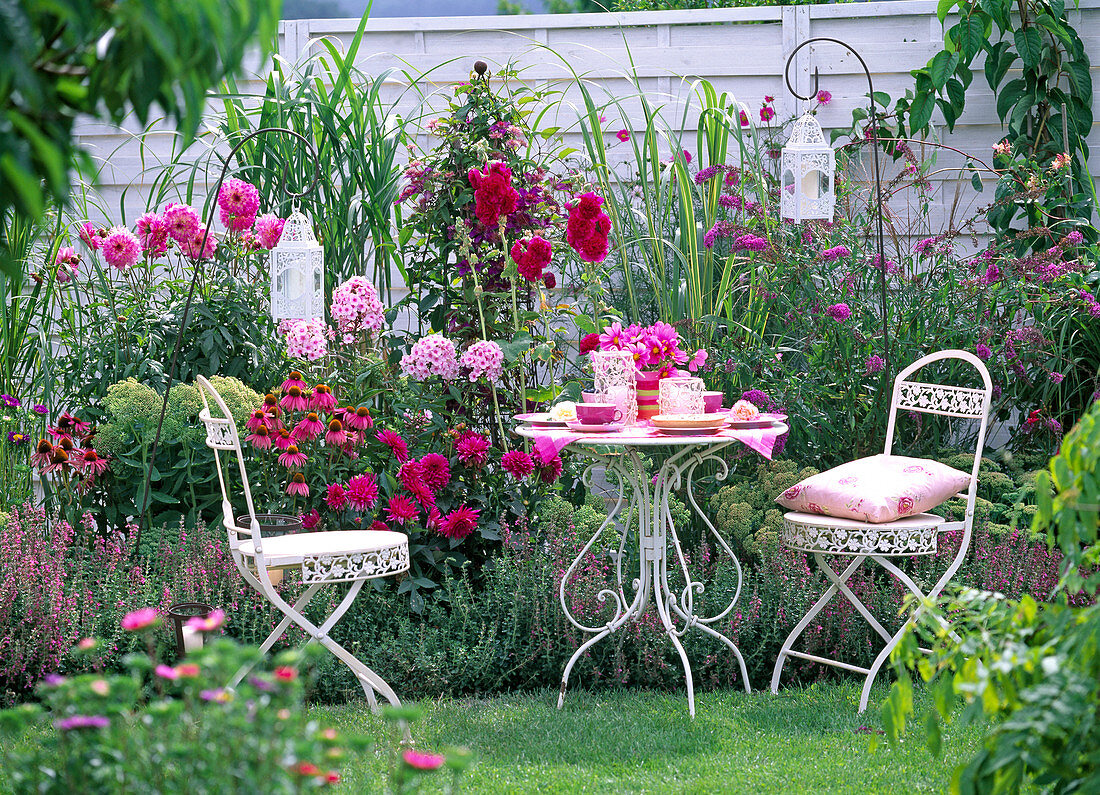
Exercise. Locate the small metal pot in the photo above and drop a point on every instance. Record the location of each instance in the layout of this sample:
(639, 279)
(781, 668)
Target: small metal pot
(273, 525)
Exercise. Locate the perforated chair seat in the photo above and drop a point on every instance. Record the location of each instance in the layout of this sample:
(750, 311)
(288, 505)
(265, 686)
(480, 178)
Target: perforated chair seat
(337, 555)
(910, 535)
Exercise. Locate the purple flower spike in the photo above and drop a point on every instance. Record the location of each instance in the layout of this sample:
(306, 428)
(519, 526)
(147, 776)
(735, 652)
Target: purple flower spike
(82, 722)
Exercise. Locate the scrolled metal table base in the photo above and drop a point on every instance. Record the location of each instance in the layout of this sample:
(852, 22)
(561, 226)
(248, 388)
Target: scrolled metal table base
(655, 531)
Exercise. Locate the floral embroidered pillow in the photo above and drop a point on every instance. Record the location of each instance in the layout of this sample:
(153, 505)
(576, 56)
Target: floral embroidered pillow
(878, 489)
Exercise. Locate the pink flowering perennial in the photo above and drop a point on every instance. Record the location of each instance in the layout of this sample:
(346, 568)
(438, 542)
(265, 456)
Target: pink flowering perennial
(357, 308)
(431, 355)
(484, 359)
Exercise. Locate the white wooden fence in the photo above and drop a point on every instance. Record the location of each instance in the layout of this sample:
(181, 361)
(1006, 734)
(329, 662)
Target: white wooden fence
(741, 51)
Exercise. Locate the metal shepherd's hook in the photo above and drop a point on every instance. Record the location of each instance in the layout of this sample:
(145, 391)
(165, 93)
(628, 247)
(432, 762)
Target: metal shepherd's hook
(143, 507)
(877, 170)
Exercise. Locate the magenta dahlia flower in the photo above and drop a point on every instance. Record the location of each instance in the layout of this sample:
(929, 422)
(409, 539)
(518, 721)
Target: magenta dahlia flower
(459, 523)
(121, 248)
(401, 509)
(363, 492)
(517, 463)
(437, 470)
(473, 449)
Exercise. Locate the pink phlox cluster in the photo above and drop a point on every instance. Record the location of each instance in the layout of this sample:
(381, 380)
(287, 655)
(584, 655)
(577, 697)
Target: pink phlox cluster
(356, 308)
(431, 355)
(484, 359)
(305, 339)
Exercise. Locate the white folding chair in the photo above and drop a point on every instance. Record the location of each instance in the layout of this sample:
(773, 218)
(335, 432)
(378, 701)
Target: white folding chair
(353, 556)
(904, 537)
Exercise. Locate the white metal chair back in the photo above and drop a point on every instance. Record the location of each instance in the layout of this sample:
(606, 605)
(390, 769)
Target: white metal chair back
(949, 401)
(222, 436)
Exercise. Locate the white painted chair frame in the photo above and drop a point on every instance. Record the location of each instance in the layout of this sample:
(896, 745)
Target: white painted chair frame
(911, 536)
(247, 546)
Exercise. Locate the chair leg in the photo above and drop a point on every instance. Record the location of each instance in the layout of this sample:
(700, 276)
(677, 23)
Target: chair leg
(819, 605)
(277, 633)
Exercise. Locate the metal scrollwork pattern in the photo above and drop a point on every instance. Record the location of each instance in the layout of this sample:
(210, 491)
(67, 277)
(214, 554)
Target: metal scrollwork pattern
(954, 401)
(219, 433)
(356, 565)
(867, 540)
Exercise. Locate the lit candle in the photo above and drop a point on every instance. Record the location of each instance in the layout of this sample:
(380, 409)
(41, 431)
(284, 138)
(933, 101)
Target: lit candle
(192, 640)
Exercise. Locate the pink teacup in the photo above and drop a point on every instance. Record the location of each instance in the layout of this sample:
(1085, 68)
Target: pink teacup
(712, 402)
(590, 397)
(598, 413)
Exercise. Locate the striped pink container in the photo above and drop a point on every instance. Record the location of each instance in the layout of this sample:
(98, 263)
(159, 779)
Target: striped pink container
(648, 390)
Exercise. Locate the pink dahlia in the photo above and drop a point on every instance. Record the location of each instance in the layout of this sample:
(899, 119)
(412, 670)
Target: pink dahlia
(549, 470)
(238, 198)
(401, 509)
(121, 249)
(411, 477)
(379, 526)
(422, 761)
(183, 222)
(201, 246)
(517, 463)
(437, 470)
(67, 262)
(472, 449)
(363, 492)
(397, 445)
(335, 497)
(310, 520)
(269, 228)
(459, 523)
(89, 235)
(152, 233)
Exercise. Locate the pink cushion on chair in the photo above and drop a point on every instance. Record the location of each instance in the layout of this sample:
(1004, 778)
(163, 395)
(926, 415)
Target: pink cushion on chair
(877, 489)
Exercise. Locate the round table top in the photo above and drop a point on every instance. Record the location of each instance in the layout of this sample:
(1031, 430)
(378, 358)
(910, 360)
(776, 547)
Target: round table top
(625, 438)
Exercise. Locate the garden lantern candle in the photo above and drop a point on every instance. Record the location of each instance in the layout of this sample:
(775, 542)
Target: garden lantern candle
(808, 166)
(614, 376)
(188, 639)
(297, 266)
(681, 395)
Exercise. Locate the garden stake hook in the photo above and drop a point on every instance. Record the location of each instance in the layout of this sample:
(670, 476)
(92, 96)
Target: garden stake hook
(143, 507)
(877, 171)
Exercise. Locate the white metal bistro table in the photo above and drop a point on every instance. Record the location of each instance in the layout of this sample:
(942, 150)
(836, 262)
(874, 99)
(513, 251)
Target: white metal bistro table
(650, 496)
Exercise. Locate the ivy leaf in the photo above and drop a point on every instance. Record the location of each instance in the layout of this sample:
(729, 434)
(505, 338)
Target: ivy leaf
(1030, 46)
(942, 66)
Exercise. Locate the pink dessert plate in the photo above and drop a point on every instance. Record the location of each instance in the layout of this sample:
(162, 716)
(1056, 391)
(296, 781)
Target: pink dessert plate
(540, 420)
(595, 427)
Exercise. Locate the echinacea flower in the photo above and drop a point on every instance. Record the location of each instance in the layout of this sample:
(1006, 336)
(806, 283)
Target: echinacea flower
(257, 419)
(401, 509)
(359, 419)
(297, 485)
(292, 457)
(260, 438)
(140, 619)
(517, 463)
(294, 399)
(68, 425)
(437, 470)
(418, 760)
(283, 439)
(91, 462)
(362, 492)
(41, 455)
(293, 378)
(322, 399)
(335, 436)
(308, 428)
(58, 460)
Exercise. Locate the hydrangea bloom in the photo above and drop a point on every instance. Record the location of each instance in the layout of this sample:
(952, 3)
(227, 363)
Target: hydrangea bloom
(356, 308)
(121, 248)
(306, 339)
(431, 355)
(484, 358)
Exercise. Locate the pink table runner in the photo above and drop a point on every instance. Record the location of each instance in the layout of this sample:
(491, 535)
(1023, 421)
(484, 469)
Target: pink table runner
(551, 441)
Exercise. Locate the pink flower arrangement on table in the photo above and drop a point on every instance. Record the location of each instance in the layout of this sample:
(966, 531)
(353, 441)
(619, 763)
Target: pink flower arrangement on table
(655, 347)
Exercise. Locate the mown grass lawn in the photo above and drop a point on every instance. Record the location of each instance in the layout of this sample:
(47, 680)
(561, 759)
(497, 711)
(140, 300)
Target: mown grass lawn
(801, 741)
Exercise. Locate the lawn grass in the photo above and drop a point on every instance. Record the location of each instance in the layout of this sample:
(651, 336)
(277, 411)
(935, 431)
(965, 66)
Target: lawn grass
(801, 741)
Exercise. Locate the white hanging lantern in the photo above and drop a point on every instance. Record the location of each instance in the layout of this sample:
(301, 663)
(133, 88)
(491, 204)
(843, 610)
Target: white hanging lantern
(297, 267)
(807, 168)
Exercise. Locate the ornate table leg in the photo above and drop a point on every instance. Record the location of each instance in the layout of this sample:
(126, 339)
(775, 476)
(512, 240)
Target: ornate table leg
(678, 471)
(627, 473)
